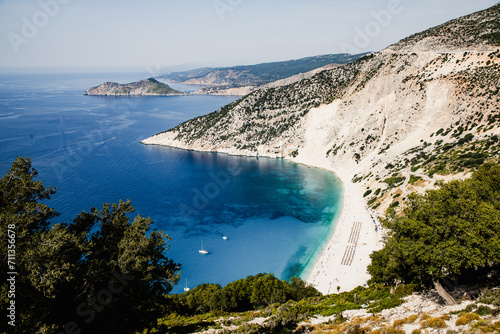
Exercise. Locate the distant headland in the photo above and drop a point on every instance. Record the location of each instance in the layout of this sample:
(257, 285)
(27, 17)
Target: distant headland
(143, 87)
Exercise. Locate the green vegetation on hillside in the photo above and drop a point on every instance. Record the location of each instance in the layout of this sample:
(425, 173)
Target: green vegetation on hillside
(458, 157)
(159, 88)
(451, 233)
(280, 316)
(241, 295)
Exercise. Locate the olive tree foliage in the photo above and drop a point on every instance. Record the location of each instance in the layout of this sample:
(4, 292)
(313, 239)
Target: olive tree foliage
(268, 290)
(444, 234)
(242, 295)
(102, 272)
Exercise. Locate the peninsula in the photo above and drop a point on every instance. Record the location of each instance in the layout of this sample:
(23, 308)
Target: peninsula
(144, 87)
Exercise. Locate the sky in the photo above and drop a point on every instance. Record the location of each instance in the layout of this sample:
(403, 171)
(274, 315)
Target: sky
(156, 35)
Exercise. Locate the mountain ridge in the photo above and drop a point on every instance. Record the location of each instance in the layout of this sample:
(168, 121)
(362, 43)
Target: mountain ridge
(475, 30)
(258, 74)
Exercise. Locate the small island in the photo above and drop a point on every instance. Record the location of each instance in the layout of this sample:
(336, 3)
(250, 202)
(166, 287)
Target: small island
(143, 87)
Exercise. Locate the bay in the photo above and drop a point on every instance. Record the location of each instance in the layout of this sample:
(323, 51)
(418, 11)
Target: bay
(276, 214)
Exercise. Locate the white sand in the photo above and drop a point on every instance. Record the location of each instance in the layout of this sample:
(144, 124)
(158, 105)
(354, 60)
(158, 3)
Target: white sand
(331, 270)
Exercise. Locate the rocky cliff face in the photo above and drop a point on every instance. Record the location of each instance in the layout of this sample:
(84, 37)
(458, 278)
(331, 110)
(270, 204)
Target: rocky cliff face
(144, 87)
(414, 107)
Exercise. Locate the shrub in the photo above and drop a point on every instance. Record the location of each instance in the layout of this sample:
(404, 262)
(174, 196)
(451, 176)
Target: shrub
(484, 310)
(356, 329)
(398, 323)
(394, 204)
(466, 318)
(412, 318)
(368, 192)
(434, 323)
(414, 179)
(395, 181)
(486, 327)
(491, 297)
(385, 304)
(409, 320)
(388, 330)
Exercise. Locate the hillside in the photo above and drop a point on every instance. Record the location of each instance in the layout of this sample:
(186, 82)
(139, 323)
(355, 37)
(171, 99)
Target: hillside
(144, 87)
(225, 90)
(475, 31)
(256, 75)
(372, 310)
(427, 106)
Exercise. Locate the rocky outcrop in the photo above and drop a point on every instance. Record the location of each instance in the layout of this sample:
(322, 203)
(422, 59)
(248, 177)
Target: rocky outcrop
(144, 87)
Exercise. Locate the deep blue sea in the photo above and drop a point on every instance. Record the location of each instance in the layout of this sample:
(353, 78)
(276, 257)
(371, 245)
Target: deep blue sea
(276, 214)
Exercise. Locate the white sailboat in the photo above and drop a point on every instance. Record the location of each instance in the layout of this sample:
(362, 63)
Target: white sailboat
(224, 237)
(186, 286)
(202, 251)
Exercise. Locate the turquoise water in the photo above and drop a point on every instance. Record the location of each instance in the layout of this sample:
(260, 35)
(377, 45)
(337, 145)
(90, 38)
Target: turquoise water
(275, 214)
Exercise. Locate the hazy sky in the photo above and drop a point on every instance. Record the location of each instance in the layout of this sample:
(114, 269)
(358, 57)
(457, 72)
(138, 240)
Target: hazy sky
(159, 33)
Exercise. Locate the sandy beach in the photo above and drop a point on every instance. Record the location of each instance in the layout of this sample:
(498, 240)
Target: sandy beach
(343, 261)
(344, 258)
